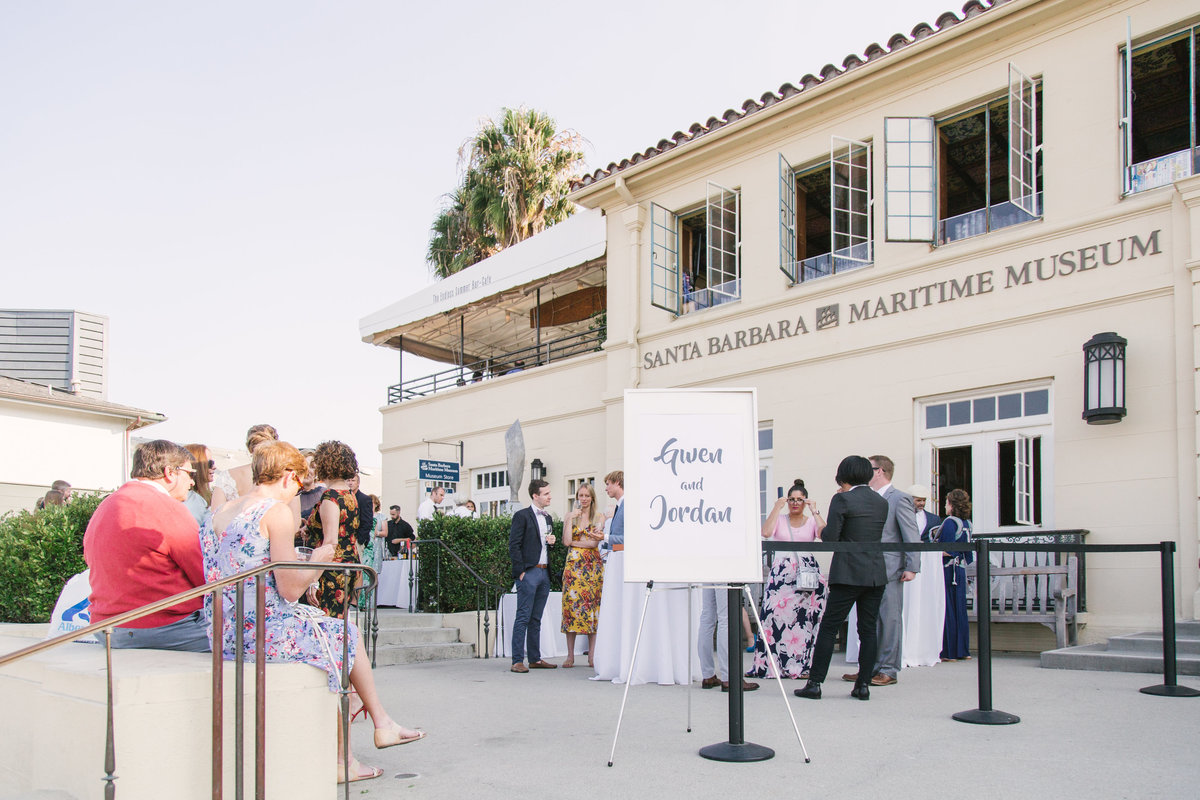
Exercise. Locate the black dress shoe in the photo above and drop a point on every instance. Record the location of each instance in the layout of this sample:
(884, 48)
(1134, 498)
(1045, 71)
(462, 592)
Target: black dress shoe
(811, 690)
(861, 691)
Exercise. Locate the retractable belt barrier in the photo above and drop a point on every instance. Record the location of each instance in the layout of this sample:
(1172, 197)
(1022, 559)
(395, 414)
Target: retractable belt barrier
(985, 714)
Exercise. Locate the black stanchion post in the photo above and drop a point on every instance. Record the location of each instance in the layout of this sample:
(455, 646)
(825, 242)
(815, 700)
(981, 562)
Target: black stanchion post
(985, 714)
(1169, 687)
(737, 748)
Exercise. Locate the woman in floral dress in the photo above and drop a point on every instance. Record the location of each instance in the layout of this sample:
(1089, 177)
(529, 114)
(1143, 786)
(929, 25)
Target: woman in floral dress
(334, 521)
(791, 614)
(258, 528)
(583, 575)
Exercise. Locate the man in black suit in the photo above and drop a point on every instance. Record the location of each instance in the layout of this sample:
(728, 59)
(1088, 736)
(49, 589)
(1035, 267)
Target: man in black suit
(531, 533)
(856, 514)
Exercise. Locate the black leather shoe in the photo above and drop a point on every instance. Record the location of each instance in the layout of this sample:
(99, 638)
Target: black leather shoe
(861, 691)
(811, 690)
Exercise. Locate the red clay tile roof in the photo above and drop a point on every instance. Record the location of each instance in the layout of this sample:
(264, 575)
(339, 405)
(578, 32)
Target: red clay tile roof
(874, 52)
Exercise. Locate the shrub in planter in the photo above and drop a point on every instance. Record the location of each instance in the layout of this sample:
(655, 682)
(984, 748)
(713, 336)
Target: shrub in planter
(39, 552)
(483, 545)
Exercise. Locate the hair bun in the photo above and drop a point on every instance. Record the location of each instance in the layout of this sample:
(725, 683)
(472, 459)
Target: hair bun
(798, 484)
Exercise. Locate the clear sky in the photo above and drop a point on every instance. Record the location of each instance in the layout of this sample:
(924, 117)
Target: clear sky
(236, 184)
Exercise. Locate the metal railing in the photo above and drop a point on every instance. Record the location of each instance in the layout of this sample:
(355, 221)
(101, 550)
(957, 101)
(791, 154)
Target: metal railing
(487, 594)
(506, 364)
(260, 672)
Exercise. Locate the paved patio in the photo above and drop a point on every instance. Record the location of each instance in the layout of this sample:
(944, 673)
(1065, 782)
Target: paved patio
(548, 734)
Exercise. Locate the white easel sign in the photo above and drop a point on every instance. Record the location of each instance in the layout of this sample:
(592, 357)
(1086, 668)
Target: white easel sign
(691, 486)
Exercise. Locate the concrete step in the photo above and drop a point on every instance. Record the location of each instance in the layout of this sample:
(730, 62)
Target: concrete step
(397, 636)
(1099, 657)
(415, 653)
(1187, 628)
(1151, 642)
(391, 619)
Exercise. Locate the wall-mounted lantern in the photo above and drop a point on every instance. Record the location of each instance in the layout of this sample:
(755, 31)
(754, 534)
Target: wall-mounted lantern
(1104, 379)
(537, 470)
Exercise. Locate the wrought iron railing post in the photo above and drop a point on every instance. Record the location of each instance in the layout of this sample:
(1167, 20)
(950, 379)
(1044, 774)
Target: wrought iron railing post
(260, 688)
(110, 745)
(239, 733)
(218, 694)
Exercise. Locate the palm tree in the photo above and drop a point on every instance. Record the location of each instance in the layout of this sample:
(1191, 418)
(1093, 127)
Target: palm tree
(518, 172)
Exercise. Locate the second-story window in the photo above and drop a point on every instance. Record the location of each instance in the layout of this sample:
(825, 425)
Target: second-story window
(825, 213)
(695, 255)
(1159, 116)
(968, 174)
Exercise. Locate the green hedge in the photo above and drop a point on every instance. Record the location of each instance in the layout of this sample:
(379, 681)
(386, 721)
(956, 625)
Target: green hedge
(39, 552)
(483, 545)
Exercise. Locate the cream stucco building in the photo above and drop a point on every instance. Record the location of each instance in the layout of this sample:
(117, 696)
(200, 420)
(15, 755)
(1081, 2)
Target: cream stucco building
(904, 255)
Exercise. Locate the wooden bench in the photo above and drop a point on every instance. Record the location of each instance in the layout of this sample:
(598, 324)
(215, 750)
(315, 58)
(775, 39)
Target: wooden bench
(1043, 593)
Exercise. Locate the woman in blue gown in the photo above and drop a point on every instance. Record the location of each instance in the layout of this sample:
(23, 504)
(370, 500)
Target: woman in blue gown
(956, 636)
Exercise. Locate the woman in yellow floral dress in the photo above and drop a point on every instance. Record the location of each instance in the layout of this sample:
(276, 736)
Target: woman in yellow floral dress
(334, 520)
(583, 576)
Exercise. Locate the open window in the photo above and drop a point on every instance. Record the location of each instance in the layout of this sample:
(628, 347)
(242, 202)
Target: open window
(1159, 110)
(825, 213)
(695, 257)
(979, 171)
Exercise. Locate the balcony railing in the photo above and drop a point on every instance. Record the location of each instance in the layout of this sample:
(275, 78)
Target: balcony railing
(506, 364)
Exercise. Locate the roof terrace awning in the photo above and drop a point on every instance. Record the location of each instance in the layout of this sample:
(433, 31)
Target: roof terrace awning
(487, 309)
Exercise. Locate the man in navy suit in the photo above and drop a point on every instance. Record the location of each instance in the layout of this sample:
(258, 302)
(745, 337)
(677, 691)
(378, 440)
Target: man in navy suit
(926, 520)
(531, 533)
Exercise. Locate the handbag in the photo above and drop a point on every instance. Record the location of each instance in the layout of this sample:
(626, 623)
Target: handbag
(808, 579)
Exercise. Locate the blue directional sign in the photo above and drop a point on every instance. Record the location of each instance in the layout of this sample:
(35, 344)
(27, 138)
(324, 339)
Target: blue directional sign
(430, 470)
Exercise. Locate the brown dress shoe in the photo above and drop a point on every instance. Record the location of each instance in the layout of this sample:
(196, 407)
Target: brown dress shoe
(710, 683)
(850, 677)
(519, 667)
(540, 664)
(879, 679)
(747, 686)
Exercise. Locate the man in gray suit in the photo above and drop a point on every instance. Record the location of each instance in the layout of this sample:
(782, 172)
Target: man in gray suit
(901, 525)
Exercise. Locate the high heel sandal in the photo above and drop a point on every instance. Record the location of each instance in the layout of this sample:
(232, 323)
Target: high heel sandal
(361, 711)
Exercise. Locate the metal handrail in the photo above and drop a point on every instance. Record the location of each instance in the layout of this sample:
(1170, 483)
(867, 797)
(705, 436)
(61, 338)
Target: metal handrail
(110, 623)
(545, 353)
(481, 585)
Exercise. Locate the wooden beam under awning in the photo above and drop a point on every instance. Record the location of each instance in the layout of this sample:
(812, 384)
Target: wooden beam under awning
(574, 307)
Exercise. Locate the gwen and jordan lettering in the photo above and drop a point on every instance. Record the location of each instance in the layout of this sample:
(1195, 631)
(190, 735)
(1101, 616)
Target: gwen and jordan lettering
(1057, 265)
(700, 512)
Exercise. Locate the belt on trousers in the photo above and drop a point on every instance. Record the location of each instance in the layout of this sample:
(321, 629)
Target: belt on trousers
(616, 548)
(538, 566)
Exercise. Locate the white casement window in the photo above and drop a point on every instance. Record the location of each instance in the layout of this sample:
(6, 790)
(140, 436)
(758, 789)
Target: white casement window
(909, 178)
(766, 462)
(1159, 110)
(490, 490)
(825, 214)
(695, 257)
(1022, 142)
(1025, 457)
(968, 174)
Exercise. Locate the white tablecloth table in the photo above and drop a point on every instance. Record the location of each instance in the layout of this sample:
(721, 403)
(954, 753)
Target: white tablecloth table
(553, 641)
(667, 653)
(393, 583)
(924, 617)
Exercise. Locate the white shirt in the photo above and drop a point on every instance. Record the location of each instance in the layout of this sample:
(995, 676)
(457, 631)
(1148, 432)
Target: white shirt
(883, 488)
(425, 510)
(920, 520)
(543, 522)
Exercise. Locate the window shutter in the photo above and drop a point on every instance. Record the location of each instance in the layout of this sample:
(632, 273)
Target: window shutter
(1022, 141)
(909, 185)
(850, 202)
(787, 220)
(721, 216)
(664, 259)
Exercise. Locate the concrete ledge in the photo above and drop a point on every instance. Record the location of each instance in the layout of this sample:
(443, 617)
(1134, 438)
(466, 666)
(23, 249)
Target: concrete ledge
(55, 710)
(470, 628)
